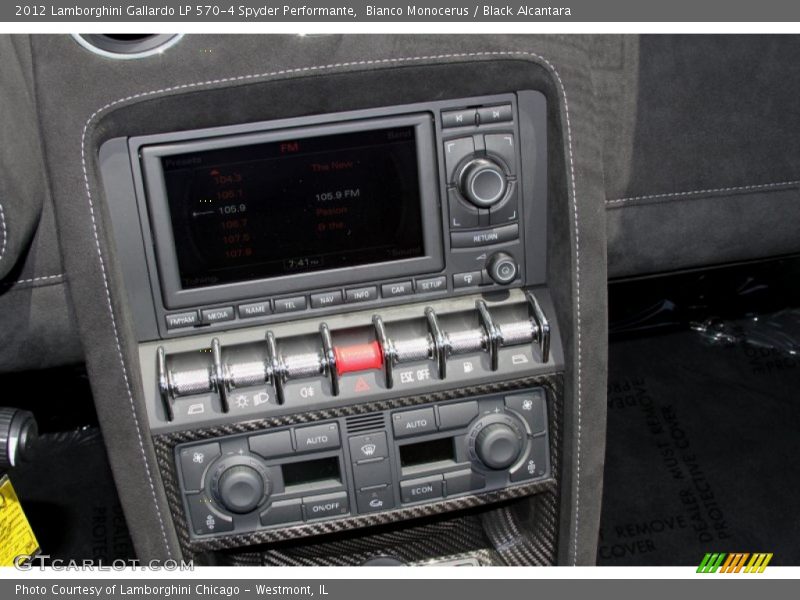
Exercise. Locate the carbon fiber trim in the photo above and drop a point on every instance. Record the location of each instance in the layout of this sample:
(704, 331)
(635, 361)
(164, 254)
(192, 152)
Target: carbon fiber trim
(541, 531)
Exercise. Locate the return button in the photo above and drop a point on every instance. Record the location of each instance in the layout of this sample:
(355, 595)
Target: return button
(484, 237)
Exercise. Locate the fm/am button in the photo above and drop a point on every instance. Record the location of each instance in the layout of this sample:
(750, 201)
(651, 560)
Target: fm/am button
(413, 422)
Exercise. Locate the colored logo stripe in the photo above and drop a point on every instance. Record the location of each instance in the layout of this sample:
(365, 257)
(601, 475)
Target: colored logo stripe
(734, 562)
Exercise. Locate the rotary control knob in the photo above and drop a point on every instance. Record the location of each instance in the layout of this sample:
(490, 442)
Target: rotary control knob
(502, 268)
(18, 432)
(498, 446)
(482, 182)
(240, 484)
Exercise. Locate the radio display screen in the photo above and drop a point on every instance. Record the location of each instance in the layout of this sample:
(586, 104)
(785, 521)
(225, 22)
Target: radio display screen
(294, 206)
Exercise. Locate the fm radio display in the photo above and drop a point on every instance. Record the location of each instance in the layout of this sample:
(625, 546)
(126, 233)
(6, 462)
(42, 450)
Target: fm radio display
(293, 206)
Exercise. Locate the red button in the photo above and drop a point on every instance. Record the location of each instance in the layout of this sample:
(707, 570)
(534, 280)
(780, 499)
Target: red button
(361, 357)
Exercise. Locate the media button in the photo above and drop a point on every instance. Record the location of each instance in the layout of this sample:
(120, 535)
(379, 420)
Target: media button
(397, 289)
(284, 305)
(417, 490)
(432, 284)
(324, 299)
(484, 237)
(184, 319)
(364, 294)
(217, 315)
(255, 309)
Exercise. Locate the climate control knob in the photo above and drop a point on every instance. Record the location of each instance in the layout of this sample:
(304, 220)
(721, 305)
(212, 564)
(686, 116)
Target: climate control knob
(482, 182)
(239, 483)
(498, 446)
(241, 489)
(502, 268)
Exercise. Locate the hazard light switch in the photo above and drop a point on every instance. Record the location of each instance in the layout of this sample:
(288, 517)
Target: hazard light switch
(359, 357)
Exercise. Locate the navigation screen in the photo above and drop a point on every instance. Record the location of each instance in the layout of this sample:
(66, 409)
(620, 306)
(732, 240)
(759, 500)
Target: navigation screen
(293, 206)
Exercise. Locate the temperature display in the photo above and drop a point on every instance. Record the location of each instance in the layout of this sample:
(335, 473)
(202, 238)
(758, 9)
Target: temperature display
(292, 206)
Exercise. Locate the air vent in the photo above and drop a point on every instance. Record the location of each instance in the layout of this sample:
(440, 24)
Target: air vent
(362, 423)
(126, 46)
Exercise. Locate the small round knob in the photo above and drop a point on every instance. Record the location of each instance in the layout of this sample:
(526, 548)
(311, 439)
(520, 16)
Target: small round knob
(482, 182)
(498, 446)
(502, 268)
(240, 489)
(18, 432)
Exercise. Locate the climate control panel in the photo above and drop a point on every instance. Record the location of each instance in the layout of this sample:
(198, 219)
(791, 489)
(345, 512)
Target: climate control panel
(364, 464)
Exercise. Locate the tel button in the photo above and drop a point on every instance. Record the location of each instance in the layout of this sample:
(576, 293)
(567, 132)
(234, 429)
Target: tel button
(413, 422)
(417, 490)
(322, 507)
(283, 305)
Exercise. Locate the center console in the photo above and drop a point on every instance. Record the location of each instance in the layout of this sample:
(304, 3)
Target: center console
(343, 320)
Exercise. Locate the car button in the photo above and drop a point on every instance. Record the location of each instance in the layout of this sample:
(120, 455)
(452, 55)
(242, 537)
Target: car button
(394, 290)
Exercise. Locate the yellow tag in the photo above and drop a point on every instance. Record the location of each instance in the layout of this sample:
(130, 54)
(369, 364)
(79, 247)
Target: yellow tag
(16, 535)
